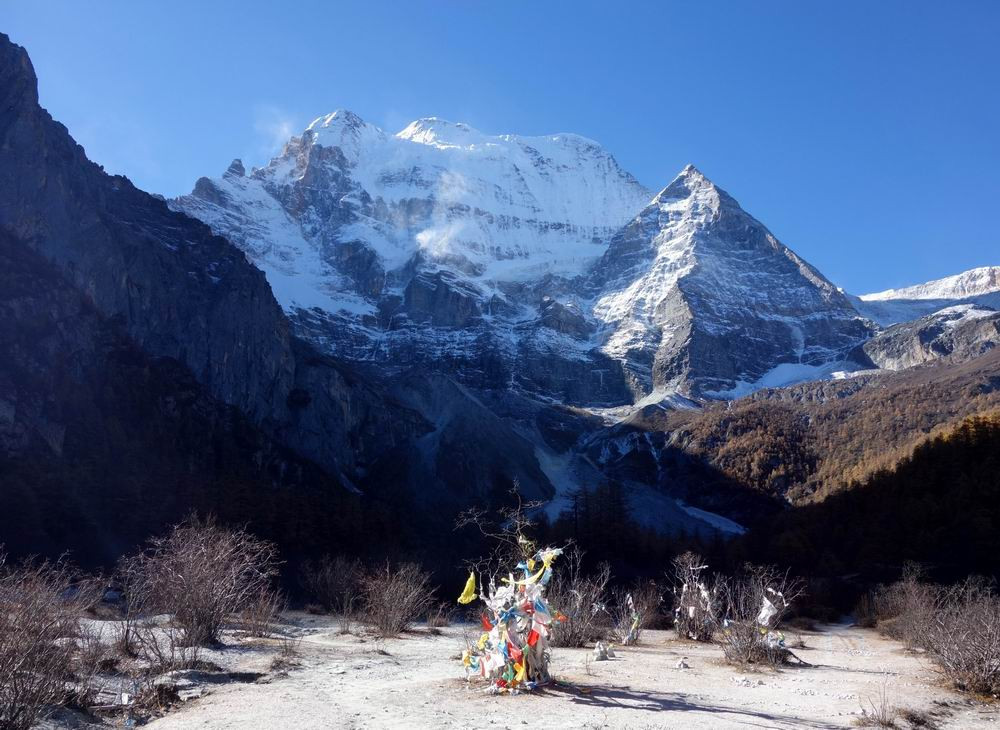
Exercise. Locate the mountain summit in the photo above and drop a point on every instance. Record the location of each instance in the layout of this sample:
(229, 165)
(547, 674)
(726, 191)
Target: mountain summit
(532, 263)
(701, 298)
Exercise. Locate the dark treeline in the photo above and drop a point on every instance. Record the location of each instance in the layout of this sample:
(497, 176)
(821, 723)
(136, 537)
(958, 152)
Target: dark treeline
(940, 508)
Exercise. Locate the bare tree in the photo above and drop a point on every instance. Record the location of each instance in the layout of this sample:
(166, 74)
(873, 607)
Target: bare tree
(38, 613)
(754, 603)
(696, 598)
(203, 573)
(396, 596)
(581, 600)
(508, 532)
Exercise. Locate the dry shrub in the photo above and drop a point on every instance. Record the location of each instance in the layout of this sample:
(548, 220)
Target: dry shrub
(203, 573)
(439, 615)
(161, 650)
(904, 610)
(963, 636)
(395, 597)
(580, 599)
(866, 611)
(38, 611)
(92, 659)
(288, 655)
(634, 609)
(879, 712)
(918, 718)
(262, 611)
(696, 600)
(959, 627)
(334, 583)
(754, 602)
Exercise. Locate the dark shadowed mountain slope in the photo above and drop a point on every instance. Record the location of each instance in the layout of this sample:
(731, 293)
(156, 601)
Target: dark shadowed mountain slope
(178, 290)
(102, 445)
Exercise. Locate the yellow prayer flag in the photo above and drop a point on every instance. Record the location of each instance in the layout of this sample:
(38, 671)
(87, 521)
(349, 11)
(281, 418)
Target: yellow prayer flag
(469, 594)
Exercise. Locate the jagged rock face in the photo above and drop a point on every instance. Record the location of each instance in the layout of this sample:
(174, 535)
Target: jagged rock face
(103, 445)
(961, 332)
(179, 291)
(701, 298)
(513, 263)
(437, 247)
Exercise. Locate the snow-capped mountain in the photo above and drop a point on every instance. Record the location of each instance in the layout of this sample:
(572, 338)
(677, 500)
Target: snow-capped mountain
(494, 209)
(701, 298)
(534, 263)
(976, 286)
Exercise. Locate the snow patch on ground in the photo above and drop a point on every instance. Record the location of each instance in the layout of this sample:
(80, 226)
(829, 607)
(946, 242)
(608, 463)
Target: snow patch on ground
(723, 524)
(786, 374)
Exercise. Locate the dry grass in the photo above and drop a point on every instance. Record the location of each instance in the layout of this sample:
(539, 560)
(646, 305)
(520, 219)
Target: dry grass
(878, 712)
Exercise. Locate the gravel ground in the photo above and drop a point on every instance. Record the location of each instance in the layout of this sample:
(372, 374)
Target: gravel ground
(416, 681)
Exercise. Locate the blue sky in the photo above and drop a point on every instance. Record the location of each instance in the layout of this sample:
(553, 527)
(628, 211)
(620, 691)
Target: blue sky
(865, 135)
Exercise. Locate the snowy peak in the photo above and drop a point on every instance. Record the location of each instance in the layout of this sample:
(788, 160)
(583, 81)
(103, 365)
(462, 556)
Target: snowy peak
(688, 182)
(442, 133)
(526, 262)
(893, 306)
(494, 208)
(975, 282)
(343, 129)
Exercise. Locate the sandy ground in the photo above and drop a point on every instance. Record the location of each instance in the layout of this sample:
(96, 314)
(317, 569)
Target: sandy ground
(346, 681)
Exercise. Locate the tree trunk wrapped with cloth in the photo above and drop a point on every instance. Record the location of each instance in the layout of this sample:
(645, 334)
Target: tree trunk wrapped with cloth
(512, 653)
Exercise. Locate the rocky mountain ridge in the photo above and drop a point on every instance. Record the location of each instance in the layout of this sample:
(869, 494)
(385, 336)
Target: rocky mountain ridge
(530, 264)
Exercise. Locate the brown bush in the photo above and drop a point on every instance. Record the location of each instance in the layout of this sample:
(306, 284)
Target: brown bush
(581, 600)
(866, 610)
(904, 609)
(963, 636)
(754, 603)
(334, 583)
(396, 597)
(439, 615)
(261, 611)
(38, 614)
(203, 574)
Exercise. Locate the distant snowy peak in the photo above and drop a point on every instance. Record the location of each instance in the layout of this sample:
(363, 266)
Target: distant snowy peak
(893, 306)
(344, 194)
(346, 130)
(983, 280)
